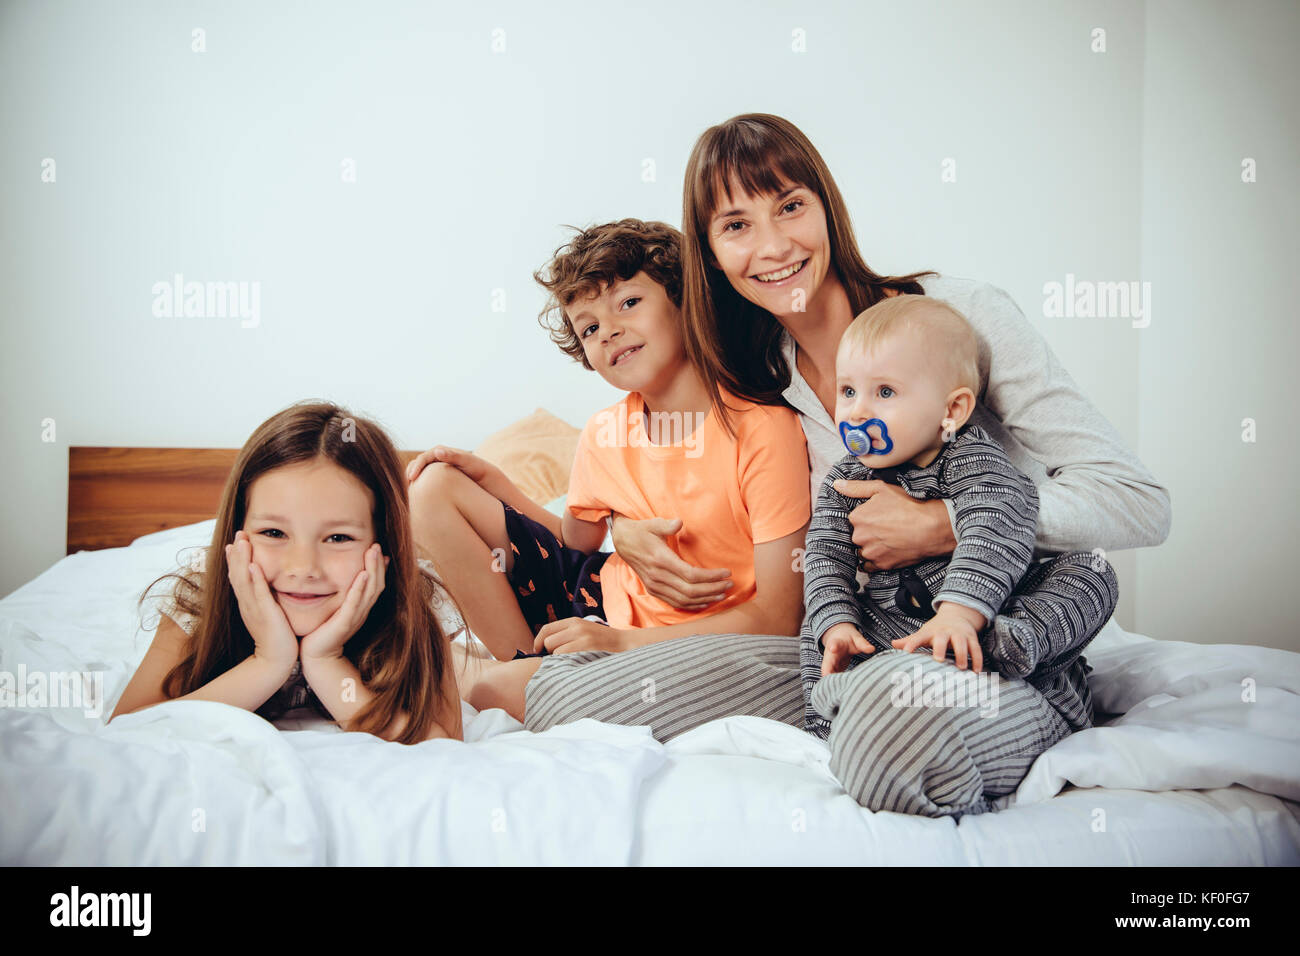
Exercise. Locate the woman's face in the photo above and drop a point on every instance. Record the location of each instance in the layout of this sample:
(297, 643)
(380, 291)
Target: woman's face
(774, 249)
(310, 525)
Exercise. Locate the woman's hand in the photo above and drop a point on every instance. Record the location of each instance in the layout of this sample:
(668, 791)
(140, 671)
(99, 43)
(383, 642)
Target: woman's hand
(894, 530)
(642, 545)
(476, 469)
(273, 637)
(328, 639)
(578, 634)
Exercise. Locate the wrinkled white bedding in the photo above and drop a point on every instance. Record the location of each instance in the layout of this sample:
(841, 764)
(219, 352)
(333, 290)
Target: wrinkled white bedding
(1202, 768)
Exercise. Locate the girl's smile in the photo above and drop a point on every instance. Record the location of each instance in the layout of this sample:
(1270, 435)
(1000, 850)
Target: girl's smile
(304, 598)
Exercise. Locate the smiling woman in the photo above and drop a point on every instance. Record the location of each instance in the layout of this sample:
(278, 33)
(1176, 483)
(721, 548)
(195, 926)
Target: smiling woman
(767, 235)
(310, 590)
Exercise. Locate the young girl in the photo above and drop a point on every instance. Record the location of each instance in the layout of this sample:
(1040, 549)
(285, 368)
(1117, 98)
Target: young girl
(310, 591)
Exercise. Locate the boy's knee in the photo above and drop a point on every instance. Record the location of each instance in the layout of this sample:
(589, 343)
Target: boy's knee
(436, 489)
(436, 477)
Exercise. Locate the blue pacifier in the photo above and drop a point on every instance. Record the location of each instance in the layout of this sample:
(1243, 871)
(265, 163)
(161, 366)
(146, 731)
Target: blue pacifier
(858, 442)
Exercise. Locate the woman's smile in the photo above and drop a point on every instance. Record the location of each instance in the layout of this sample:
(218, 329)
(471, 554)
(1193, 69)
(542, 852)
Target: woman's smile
(780, 277)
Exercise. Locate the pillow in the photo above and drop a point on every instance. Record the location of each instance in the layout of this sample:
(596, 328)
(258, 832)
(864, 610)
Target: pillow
(536, 453)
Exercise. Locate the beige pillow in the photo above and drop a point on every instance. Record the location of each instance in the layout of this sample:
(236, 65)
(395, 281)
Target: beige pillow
(536, 453)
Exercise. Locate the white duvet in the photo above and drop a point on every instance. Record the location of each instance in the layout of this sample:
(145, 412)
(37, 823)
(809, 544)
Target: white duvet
(198, 782)
(1203, 767)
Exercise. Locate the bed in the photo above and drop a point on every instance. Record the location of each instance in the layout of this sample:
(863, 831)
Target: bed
(1196, 760)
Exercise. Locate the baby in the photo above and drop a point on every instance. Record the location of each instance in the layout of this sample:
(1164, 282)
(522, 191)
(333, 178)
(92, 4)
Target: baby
(907, 376)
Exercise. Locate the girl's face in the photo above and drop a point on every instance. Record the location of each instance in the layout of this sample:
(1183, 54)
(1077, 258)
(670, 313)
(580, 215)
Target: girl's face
(774, 249)
(631, 334)
(310, 525)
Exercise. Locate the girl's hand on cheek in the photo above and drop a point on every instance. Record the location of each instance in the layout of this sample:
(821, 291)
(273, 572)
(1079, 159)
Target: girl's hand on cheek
(273, 638)
(328, 639)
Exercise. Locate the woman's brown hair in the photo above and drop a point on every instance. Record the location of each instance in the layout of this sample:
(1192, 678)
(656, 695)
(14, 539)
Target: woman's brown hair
(735, 344)
(400, 651)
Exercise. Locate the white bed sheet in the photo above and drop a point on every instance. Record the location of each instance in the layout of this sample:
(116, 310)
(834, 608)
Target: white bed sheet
(1202, 768)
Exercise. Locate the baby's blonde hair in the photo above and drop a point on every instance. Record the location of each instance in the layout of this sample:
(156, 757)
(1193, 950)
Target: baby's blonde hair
(947, 332)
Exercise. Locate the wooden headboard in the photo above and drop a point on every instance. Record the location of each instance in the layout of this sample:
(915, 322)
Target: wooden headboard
(117, 494)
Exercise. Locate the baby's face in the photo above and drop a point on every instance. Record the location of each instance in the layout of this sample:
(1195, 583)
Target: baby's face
(896, 385)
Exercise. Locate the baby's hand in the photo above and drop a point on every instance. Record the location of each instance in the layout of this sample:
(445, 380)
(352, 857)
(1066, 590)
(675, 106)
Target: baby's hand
(840, 642)
(952, 624)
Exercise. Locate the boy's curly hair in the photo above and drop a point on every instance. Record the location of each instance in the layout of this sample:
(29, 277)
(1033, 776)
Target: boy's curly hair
(596, 258)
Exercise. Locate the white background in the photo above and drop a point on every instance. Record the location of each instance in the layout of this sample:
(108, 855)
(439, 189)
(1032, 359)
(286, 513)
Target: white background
(225, 166)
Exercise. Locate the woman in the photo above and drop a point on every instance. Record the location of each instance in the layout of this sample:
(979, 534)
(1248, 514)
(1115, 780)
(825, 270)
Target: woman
(772, 277)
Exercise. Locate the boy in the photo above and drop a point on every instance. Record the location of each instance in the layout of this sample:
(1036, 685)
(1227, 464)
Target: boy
(741, 493)
(906, 378)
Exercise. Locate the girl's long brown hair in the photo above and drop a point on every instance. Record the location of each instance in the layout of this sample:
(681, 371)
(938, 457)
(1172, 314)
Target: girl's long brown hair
(735, 344)
(400, 651)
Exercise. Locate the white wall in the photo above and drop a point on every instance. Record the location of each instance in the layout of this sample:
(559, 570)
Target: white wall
(225, 165)
(1221, 85)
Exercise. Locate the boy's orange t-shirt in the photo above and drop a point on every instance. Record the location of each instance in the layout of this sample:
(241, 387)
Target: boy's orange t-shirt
(730, 493)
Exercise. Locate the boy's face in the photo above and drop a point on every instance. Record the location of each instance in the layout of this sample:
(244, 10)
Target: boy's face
(631, 334)
(893, 384)
(310, 526)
